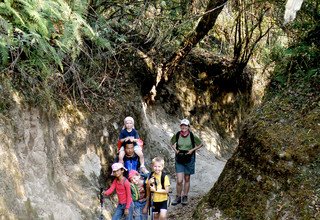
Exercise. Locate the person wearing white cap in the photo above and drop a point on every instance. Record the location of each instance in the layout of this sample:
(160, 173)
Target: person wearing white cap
(129, 133)
(185, 144)
(123, 190)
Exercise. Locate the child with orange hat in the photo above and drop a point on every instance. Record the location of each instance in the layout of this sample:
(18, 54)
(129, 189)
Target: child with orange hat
(140, 210)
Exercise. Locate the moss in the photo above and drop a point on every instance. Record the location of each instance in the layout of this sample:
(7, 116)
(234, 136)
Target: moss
(275, 171)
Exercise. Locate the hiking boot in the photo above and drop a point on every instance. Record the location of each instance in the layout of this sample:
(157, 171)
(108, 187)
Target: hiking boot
(184, 200)
(144, 170)
(176, 201)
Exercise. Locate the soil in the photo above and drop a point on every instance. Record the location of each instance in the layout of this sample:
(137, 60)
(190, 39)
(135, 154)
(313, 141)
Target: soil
(209, 163)
(201, 183)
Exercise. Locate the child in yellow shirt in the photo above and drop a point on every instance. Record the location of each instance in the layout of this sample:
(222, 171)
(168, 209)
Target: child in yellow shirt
(159, 188)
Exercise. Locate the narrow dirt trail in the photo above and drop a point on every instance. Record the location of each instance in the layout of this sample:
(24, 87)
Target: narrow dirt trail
(208, 169)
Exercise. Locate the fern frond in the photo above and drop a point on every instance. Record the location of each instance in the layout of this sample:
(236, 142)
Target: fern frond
(8, 4)
(4, 52)
(5, 26)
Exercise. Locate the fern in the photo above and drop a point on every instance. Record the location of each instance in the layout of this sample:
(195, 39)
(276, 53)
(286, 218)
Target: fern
(8, 4)
(4, 54)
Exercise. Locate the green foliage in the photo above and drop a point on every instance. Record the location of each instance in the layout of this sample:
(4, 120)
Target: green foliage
(40, 38)
(298, 64)
(66, 46)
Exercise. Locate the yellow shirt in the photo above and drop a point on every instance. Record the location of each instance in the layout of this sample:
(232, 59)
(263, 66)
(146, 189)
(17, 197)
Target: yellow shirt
(160, 197)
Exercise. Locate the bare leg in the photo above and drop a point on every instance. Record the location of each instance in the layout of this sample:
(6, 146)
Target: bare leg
(180, 177)
(163, 214)
(156, 216)
(186, 186)
(121, 156)
(141, 157)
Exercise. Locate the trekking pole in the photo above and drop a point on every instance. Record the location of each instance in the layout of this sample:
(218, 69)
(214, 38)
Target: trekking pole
(101, 204)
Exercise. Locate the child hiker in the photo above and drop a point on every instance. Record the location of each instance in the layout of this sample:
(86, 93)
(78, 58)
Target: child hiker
(159, 184)
(140, 211)
(129, 133)
(122, 187)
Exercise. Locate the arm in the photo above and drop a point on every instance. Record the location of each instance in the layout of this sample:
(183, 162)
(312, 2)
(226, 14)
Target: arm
(135, 136)
(198, 144)
(111, 189)
(196, 148)
(148, 195)
(173, 144)
(123, 136)
(128, 194)
(159, 190)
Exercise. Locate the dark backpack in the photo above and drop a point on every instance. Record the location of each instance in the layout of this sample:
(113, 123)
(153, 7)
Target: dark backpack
(163, 175)
(191, 137)
(183, 157)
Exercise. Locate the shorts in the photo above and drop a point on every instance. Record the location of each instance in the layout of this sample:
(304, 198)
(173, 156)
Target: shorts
(136, 147)
(157, 206)
(188, 168)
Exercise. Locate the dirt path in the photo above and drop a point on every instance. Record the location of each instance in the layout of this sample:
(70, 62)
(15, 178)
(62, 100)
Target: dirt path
(208, 169)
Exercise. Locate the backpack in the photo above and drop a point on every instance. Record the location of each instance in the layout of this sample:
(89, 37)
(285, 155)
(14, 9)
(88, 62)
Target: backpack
(134, 192)
(183, 157)
(163, 175)
(191, 137)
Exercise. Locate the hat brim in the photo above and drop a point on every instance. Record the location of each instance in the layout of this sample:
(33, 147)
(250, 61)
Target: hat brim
(112, 174)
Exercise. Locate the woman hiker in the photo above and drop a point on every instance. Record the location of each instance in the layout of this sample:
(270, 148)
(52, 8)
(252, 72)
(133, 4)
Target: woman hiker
(185, 144)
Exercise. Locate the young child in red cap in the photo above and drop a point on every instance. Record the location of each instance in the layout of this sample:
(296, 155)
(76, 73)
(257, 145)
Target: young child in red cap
(140, 211)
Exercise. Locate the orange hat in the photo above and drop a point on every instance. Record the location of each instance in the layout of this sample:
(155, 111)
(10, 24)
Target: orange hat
(133, 173)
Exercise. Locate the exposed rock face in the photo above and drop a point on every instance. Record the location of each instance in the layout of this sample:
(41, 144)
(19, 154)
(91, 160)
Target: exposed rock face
(53, 166)
(49, 168)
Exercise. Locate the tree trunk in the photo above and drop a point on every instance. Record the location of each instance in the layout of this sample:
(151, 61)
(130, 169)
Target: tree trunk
(206, 23)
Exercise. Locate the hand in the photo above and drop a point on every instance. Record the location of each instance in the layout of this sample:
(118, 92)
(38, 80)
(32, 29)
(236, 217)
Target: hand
(126, 211)
(152, 188)
(145, 210)
(152, 181)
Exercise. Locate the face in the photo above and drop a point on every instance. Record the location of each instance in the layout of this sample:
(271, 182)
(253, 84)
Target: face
(135, 179)
(118, 173)
(129, 124)
(184, 127)
(157, 167)
(129, 150)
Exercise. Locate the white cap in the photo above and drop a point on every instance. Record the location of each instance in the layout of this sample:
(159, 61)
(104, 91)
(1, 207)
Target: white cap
(185, 122)
(128, 119)
(117, 166)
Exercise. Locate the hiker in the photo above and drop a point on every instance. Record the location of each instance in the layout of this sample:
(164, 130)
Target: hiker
(158, 184)
(122, 187)
(140, 210)
(185, 144)
(131, 159)
(129, 133)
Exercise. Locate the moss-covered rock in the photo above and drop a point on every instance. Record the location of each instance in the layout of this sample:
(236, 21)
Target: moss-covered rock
(275, 171)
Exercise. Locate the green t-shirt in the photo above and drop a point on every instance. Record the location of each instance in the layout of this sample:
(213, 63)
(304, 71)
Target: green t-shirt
(185, 142)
